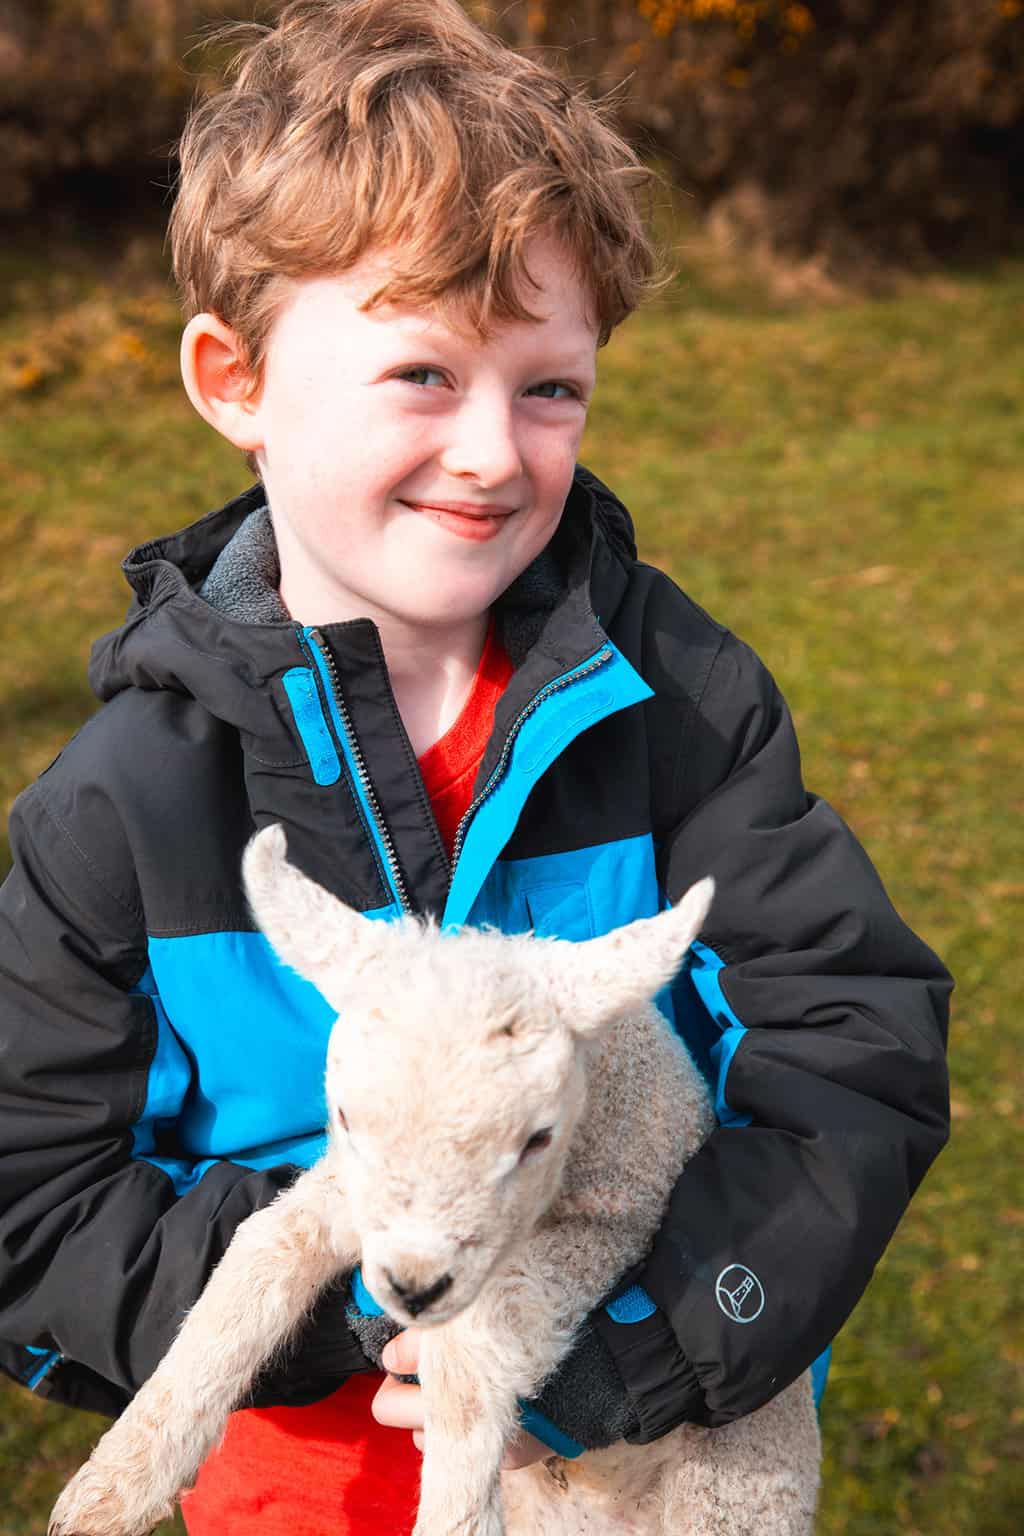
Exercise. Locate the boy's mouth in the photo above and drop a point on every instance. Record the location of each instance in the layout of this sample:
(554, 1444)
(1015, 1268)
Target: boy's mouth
(464, 518)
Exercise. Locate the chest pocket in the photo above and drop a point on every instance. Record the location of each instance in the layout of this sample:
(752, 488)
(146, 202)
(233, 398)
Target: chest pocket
(561, 910)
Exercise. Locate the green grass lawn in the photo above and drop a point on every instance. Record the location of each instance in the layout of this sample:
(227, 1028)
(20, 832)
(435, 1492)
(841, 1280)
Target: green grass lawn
(844, 486)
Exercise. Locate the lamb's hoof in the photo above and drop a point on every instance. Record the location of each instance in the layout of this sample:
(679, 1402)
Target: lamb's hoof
(95, 1504)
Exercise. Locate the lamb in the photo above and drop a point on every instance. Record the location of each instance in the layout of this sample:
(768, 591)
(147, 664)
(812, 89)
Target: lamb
(496, 1211)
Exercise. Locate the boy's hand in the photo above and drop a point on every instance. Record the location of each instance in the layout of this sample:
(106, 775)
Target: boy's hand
(399, 1404)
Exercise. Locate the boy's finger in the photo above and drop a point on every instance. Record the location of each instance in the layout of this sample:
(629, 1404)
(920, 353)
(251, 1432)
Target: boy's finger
(523, 1450)
(398, 1406)
(402, 1356)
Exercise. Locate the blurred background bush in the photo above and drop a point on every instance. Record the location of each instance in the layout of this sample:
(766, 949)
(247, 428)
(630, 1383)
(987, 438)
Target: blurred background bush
(851, 133)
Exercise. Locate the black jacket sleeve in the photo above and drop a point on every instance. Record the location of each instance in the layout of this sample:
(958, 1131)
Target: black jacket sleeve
(830, 1023)
(99, 1257)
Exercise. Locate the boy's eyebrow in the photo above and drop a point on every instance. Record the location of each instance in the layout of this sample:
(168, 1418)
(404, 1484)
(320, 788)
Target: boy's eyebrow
(416, 331)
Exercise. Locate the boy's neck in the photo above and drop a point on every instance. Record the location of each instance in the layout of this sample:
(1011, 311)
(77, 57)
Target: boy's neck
(431, 668)
(432, 672)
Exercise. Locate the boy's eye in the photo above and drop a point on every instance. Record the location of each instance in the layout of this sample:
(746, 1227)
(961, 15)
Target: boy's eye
(546, 390)
(421, 375)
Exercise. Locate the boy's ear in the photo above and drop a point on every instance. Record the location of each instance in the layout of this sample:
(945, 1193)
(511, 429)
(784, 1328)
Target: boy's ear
(217, 381)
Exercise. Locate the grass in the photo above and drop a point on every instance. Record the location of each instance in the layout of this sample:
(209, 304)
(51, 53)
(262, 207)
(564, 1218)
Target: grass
(844, 485)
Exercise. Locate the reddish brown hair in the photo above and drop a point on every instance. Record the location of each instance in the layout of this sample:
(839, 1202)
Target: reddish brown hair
(355, 125)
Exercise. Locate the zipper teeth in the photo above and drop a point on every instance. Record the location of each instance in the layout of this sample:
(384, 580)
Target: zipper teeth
(362, 774)
(524, 714)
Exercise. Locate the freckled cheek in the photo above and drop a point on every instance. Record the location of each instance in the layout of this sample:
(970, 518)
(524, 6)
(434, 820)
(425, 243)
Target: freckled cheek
(340, 477)
(556, 462)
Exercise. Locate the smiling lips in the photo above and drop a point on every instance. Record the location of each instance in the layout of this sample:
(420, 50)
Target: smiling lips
(469, 520)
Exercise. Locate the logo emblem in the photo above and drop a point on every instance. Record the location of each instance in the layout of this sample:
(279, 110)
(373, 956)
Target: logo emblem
(739, 1293)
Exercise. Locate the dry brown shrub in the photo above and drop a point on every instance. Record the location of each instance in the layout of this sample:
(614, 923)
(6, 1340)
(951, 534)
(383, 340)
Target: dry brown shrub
(94, 86)
(842, 136)
(851, 133)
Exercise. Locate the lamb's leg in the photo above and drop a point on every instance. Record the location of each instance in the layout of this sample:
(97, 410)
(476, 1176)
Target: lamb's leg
(756, 1477)
(474, 1371)
(272, 1271)
(471, 1413)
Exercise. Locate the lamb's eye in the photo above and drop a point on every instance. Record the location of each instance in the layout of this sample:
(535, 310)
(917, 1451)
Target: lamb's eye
(340, 1114)
(537, 1142)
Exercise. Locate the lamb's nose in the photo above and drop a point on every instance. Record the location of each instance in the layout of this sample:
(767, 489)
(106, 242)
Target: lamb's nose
(416, 1302)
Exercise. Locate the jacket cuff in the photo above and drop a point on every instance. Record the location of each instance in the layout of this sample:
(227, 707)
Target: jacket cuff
(324, 1354)
(662, 1384)
(544, 1429)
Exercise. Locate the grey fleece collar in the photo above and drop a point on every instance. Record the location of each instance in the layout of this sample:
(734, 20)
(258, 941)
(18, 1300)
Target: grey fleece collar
(243, 583)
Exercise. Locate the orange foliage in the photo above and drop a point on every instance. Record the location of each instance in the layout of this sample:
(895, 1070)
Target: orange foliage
(855, 131)
(843, 128)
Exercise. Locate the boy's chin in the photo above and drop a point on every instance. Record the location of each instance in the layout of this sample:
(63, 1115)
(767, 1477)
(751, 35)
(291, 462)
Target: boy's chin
(451, 605)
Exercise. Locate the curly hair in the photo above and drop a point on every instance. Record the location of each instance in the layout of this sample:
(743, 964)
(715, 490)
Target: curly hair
(358, 126)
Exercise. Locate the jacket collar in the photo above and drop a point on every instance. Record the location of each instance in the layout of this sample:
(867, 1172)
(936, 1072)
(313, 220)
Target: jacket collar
(244, 673)
(173, 637)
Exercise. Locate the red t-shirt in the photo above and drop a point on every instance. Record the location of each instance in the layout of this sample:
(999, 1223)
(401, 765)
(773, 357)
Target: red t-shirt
(449, 767)
(329, 1469)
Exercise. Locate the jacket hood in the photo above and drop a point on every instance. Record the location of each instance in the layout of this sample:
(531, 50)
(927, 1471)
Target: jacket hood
(190, 631)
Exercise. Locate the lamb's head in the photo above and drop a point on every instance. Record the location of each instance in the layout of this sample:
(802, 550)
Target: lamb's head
(456, 1070)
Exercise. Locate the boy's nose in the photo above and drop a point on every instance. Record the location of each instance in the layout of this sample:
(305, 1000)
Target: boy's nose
(483, 446)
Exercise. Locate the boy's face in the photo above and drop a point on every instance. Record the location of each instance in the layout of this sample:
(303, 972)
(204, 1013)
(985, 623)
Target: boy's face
(414, 470)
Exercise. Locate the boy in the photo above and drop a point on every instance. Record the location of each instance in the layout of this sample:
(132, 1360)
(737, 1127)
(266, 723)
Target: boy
(424, 643)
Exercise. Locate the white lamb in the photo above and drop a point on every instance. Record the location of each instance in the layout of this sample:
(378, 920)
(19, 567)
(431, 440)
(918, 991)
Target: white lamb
(507, 1118)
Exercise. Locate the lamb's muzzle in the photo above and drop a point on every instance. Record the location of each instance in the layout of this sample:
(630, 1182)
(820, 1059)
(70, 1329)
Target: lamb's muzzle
(417, 1301)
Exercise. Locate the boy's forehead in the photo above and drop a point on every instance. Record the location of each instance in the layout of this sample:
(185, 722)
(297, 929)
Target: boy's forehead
(567, 328)
(561, 303)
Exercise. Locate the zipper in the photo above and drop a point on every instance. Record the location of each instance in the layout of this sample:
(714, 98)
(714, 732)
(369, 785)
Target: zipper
(384, 836)
(565, 681)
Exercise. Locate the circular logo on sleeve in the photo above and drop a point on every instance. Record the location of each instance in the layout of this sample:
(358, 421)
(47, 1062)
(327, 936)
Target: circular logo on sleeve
(739, 1293)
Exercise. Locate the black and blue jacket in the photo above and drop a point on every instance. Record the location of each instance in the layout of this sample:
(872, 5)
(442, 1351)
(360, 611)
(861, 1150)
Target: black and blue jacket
(161, 1076)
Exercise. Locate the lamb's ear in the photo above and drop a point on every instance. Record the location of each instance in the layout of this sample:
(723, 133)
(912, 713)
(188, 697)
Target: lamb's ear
(597, 980)
(312, 931)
